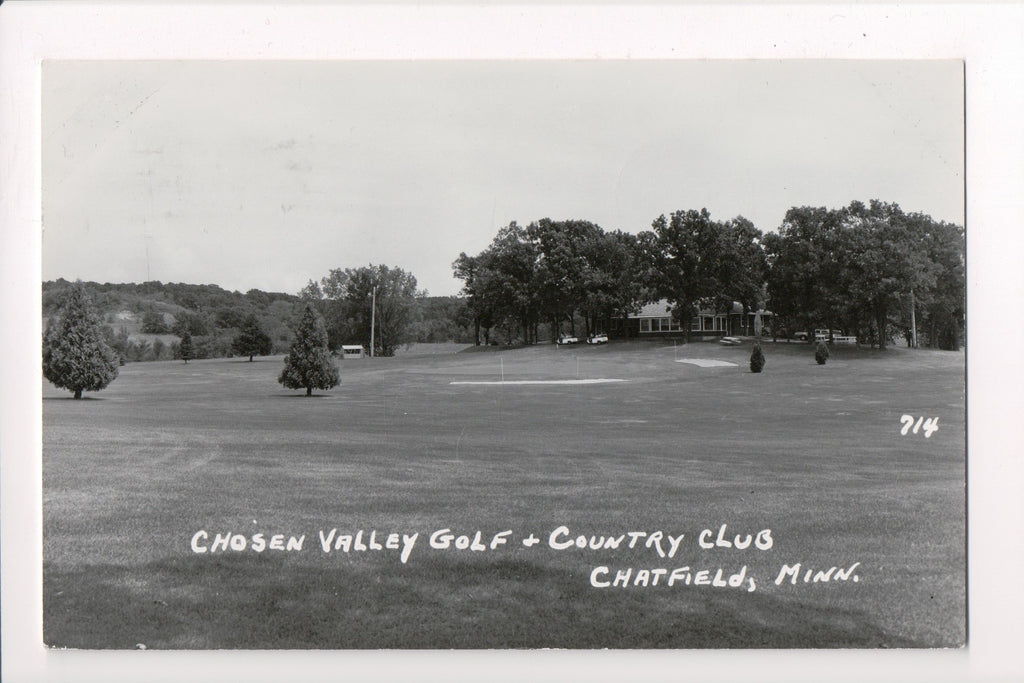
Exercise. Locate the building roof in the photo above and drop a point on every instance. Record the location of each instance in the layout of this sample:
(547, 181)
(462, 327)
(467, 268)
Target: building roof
(662, 309)
(659, 309)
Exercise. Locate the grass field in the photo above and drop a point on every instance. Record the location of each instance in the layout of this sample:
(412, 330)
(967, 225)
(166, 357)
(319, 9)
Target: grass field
(812, 453)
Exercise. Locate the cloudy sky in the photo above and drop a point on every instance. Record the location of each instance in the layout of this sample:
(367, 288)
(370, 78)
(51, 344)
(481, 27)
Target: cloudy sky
(265, 175)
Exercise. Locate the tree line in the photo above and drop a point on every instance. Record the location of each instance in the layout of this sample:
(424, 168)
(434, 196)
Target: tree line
(147, 321)
(872, 270)
(77, 358)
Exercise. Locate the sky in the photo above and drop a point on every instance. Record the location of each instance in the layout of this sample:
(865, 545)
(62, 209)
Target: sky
(268, 174)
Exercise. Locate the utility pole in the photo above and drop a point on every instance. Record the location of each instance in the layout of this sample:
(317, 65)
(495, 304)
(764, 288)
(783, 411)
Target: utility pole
(146, 238)
(373, 314)
(913, 321)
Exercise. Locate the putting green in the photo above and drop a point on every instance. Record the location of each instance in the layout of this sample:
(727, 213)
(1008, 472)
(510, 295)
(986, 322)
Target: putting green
(707, 363)
(546, 381)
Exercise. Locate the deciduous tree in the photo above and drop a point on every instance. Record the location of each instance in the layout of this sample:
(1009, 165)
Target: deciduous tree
(384, 298)
(682, 258)
(804, 270)
(884, 259)
(611, 283)
(560, 253)
(475, 275)
(512, 282)
(153, 322)
(352, 299)
(252, 340)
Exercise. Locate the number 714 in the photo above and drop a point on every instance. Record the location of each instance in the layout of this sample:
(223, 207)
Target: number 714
(911, 426)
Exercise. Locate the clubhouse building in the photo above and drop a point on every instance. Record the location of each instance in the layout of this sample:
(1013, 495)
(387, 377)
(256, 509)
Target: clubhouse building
(655, 321)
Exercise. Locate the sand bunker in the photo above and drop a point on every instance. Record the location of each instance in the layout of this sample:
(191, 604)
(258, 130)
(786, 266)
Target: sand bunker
(707, 363)
(546, 381)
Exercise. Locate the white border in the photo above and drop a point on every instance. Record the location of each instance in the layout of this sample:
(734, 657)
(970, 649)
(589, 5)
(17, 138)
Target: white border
(987, 36)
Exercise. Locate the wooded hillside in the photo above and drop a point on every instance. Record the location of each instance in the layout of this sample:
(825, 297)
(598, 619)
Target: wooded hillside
(144, 321)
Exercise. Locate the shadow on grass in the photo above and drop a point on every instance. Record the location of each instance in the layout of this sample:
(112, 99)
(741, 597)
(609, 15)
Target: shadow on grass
(247, 601)
(485, 348)
(71, 397)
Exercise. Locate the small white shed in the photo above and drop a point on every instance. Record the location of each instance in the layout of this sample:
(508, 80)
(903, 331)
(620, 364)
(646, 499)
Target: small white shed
(352, 352)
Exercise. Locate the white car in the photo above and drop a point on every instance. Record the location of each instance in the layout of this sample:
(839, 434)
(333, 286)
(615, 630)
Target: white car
(567, 339)
(598, 339)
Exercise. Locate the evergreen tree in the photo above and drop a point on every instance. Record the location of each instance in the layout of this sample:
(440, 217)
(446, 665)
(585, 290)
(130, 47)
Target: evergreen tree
(185, 347)
(821, 353)
(308, 364)
(756, 358)
(75, 355)
(252, 340)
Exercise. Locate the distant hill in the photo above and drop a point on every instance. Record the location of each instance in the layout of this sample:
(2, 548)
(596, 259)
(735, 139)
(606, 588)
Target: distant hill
(153, 314)
(172, 296)
(145, 320)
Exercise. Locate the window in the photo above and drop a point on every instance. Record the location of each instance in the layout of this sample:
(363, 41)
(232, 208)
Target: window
(661, 325)
(709, 323)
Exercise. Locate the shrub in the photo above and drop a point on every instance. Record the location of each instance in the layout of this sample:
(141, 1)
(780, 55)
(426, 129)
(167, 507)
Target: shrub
(756, 359)
(821, 353)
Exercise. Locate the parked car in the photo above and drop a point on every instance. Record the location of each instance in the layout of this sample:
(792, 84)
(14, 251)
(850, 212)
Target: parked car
(834, 336)
(598, 339)
(801, 336)
(567, 339)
